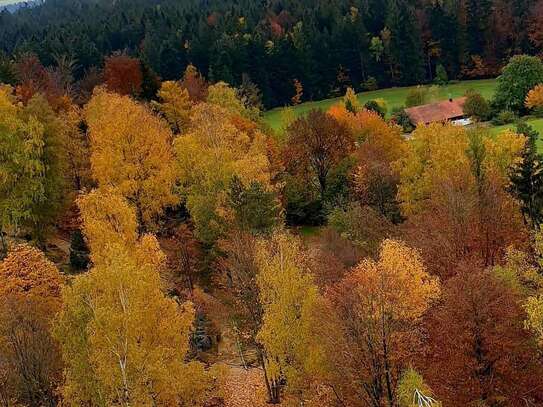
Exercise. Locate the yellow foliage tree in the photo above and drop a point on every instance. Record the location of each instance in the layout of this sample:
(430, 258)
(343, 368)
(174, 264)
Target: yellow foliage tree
(351, 102)
(223, 95)
(442, 155)
(108, 224)
(175, 104)
(291, 306)
(32, 175)
(403, 287)
(454, 185)
(526, 277)
(208, 157)
(76, 146)
(534, 99)
(123, 341)
(131, 151)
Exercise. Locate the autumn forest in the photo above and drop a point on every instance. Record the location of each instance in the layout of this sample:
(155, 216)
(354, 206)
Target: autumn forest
(162, 245)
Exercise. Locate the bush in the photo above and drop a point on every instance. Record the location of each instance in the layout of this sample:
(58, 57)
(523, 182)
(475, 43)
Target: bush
(370, 84)
(400, 117)
(504, 117)
(361, 225)
(441, 75)
(303, 205)
(520, 76)
(476, 106)
(374, 106)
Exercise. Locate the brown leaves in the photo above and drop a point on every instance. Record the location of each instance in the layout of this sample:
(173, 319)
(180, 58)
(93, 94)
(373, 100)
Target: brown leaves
(476, 336)
(453, 190)
(315, 145)
(30, 365)
(122, 74)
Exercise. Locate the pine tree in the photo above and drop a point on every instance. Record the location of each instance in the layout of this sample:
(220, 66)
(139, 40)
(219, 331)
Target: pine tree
(255, 208)
(405, 43)
(527, 180)
(478, 22)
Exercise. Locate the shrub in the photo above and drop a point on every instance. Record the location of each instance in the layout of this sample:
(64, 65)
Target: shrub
(504, 117)
(400, 117)
(534, 100)
(374, 106)
(441, 75)
(370, 84)
(350, 100)
(476, 106)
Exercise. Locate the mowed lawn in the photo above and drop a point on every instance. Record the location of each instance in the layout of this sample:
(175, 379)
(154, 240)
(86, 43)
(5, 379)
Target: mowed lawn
(395, 97)
(537, 125)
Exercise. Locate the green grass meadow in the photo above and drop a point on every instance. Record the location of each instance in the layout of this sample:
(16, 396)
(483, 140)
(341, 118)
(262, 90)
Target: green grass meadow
(395, 97)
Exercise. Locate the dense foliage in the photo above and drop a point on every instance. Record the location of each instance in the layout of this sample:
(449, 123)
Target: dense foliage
(160, 246)
(283, 46)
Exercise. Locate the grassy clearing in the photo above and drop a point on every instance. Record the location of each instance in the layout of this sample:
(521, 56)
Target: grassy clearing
(395, 97)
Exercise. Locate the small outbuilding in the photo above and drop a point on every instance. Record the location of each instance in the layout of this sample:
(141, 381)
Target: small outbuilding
(447, 110)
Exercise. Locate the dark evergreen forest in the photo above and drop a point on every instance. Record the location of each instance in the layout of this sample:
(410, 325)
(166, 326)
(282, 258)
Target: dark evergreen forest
(327, 45)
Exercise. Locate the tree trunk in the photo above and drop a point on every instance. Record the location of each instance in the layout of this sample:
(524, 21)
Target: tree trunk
(4, 245)
(322, 185)
(390, 392)
(271, 386)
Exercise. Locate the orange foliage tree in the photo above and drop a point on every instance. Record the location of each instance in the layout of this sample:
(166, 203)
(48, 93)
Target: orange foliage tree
(379, 306)
(380, 145)
(534, 99)
(315, 145)
(30, 362)
(123, 75)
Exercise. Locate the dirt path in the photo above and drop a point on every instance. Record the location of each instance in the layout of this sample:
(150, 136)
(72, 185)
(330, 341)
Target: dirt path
(245, 388)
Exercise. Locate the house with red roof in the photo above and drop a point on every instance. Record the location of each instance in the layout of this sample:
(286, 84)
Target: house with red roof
(447, 110)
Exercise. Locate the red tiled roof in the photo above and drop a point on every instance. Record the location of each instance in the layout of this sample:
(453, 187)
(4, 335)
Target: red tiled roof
(437, 112)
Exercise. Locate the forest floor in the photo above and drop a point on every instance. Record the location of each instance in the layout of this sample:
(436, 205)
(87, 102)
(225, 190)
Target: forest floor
(245, 388)
(395, 97)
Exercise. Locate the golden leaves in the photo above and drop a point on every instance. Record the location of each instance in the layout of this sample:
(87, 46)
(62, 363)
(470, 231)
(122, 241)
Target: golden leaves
(26, 271)
(398, 282)
(534, 99)
(208, 157)
(131, 151)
